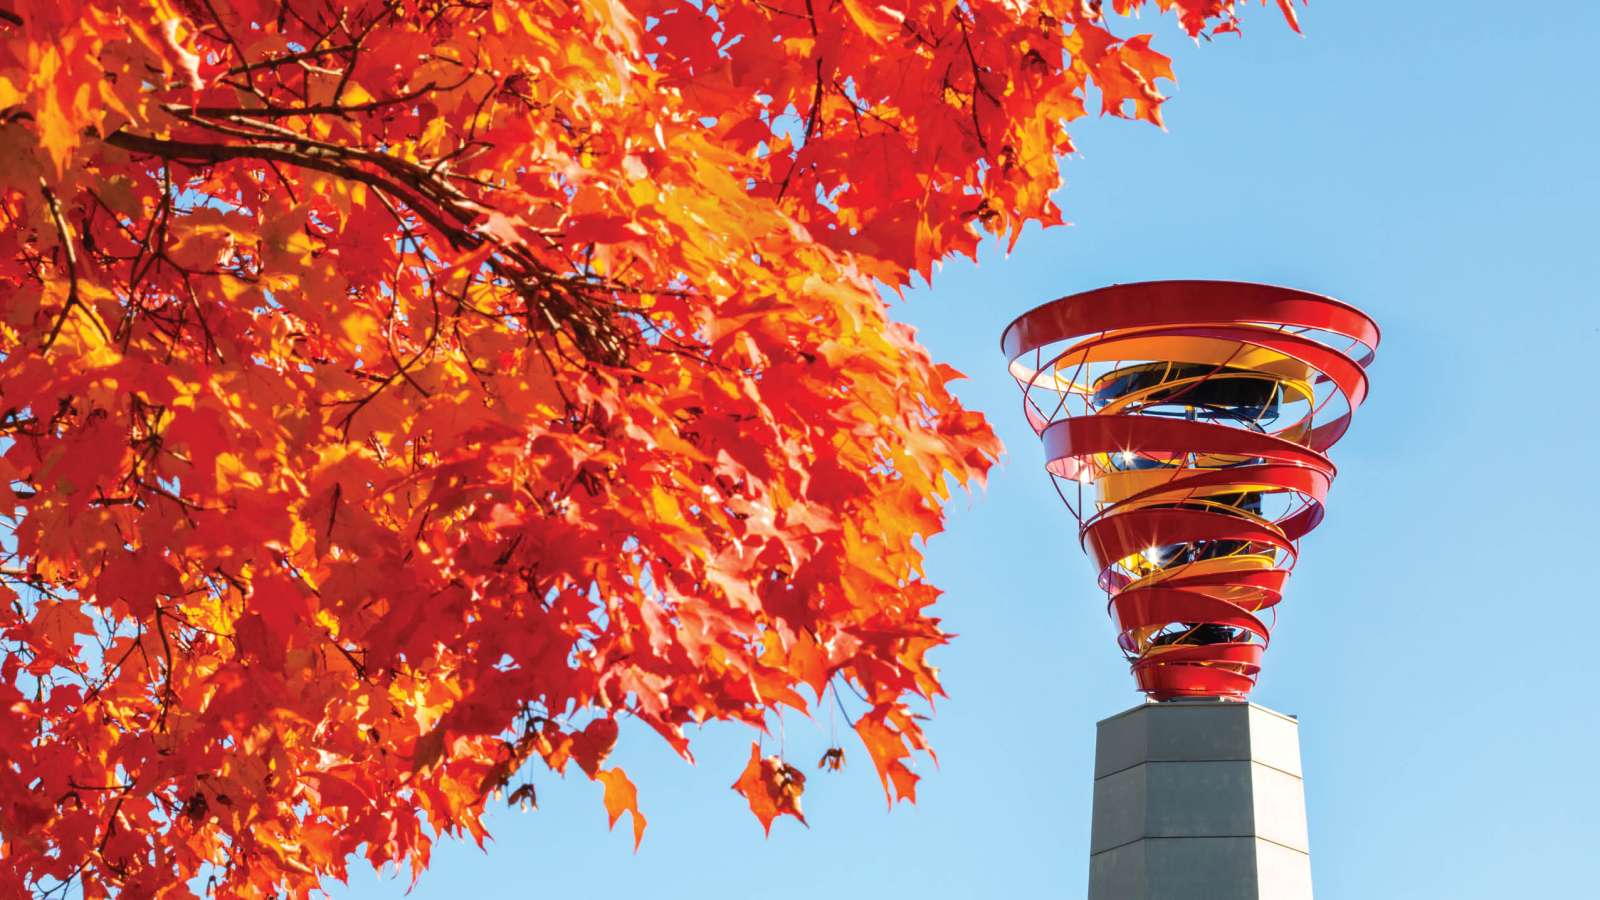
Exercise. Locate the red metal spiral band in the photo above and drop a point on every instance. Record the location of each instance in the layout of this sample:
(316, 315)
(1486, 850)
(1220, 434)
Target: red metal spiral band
(1197, 415)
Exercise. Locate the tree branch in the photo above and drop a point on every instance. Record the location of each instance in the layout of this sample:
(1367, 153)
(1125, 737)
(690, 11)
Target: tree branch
(578, 305)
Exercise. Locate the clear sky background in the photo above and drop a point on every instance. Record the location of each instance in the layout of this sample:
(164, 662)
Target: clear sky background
(1434, 164)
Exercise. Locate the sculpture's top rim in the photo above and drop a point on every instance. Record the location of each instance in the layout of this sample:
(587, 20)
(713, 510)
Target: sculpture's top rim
(1184, 301)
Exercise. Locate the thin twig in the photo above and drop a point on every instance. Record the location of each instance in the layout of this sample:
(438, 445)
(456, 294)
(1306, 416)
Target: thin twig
(69, 249)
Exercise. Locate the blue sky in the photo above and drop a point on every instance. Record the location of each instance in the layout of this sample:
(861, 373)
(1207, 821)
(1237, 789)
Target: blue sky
(1436, 168)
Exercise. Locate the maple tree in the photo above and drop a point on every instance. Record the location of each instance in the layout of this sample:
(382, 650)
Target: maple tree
(396, 394)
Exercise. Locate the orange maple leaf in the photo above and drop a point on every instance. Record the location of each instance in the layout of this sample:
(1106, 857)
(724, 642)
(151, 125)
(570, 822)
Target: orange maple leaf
(620, 797)
(772, 787)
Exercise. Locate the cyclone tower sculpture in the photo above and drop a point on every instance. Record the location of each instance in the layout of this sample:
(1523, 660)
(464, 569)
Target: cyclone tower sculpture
(1186, 425)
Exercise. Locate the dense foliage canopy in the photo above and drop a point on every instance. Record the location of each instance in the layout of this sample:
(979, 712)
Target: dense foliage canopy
(395, 394)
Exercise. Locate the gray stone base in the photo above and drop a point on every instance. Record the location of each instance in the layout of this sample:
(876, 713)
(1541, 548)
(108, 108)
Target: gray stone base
(1199, 800)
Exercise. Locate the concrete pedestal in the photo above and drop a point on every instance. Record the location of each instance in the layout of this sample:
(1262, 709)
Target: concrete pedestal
(1199, 800)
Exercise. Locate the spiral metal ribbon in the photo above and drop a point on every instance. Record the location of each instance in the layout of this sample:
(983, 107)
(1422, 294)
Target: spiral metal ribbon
(1186, 425)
